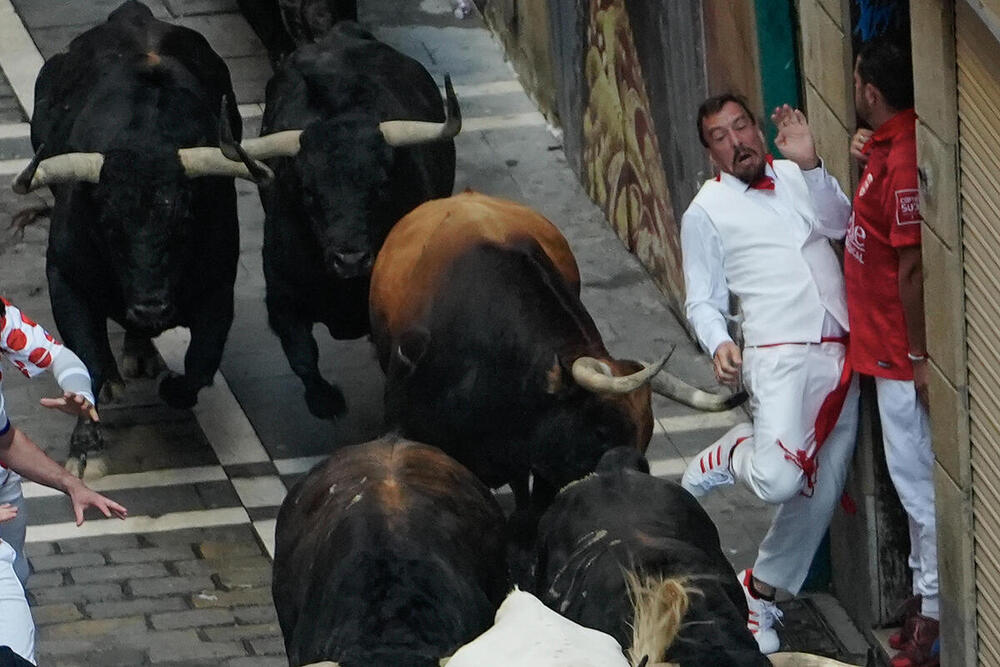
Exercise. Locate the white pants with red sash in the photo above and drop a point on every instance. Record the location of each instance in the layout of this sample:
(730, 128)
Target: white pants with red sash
(17, 630)
(779, 460)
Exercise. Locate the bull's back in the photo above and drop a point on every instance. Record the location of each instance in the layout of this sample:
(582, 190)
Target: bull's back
(133, 70)
(426, 242)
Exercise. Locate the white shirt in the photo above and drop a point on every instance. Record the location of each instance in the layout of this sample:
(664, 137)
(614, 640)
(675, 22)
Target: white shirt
(704, 273)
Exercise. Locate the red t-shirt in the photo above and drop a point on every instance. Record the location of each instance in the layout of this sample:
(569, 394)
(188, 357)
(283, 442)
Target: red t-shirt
(886, 216)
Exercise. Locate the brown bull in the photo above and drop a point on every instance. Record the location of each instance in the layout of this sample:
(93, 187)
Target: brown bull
(490, 354)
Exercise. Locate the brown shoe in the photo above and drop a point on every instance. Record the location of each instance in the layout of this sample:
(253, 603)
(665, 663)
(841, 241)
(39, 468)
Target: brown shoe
(920, 651)
(908, 610)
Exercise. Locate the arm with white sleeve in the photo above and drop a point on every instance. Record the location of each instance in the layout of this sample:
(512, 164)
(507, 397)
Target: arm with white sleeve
(704, 279)
(833, 208)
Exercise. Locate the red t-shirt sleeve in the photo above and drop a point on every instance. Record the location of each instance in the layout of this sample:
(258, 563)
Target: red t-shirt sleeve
(902, 200)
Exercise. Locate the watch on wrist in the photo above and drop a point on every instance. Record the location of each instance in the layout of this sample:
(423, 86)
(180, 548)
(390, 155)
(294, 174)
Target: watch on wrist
(918, 357)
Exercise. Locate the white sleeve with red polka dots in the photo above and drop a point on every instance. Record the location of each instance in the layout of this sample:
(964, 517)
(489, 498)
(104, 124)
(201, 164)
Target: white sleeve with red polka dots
(25, 343)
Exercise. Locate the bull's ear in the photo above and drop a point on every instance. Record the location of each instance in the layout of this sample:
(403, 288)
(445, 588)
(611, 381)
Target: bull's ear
(411, 348)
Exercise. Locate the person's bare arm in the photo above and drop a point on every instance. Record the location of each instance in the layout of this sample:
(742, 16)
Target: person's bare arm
(19, 453)
(911, 293)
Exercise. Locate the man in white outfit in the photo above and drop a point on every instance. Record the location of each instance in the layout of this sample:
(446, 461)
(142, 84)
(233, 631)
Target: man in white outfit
(761, 230)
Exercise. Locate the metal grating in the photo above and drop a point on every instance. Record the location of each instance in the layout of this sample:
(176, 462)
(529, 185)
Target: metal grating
(979, 145)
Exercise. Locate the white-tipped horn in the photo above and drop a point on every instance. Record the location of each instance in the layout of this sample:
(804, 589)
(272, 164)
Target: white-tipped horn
(595, 375)
(401, 133)
(279, 144)
(673, 387)
(209, 161)
(65, 168)
(789, 659)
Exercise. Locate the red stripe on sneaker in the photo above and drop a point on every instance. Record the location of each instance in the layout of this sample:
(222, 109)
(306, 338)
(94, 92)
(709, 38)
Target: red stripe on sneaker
(718, 455)
(701, 462)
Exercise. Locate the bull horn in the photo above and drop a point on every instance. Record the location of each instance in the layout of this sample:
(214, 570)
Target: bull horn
(65, 168)
(279, 144)
(673, 387)
(594, 375)
(209, 161)
(791, 659)
(401, 133)
(232, 150)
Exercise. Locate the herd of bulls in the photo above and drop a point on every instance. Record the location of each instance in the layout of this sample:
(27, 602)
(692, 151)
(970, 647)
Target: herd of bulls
(393, 552)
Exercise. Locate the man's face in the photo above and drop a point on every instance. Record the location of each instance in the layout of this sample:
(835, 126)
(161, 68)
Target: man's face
(734, 142)
(862, 104)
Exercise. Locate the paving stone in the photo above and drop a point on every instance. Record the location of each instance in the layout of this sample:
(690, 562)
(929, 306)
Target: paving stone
(197, 535)
(103, 543)
(115, 656)
(84, 575)
(196, 651)
(268, 646)
(43, 579)
(62, 561)
(49, 648)
(230, 578)
(191, 618)
(90, 629)
(55, 613)
(261, 614)
(39, 549)
(235, 633)
(257, 661)
(151, 554)
(77, 593)
(169, 585)
(247, 596)
(133, 607)
(219, 550)
(214, 565)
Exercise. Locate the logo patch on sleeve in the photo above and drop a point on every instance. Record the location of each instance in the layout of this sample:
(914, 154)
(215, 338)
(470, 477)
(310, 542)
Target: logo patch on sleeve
(908, 207)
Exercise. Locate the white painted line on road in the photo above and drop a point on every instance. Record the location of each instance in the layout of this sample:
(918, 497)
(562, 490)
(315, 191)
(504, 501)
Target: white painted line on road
(252, 110)
(488, 88)
(503, 122)
(12, 167)
(19, 57)
(138, 480)
(15, 130)
(672, 467)
(265, 531)
(219, 414)
(266, 491)
(699, 421)
(227, 516)
(297, 465)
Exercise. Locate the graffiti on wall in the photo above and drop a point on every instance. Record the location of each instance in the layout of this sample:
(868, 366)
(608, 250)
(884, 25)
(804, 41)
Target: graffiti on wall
(622, 161)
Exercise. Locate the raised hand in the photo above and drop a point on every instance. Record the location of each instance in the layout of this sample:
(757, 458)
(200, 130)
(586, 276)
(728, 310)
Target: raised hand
(7, 512)
(858, 142)
(73, 404)
(795, 138)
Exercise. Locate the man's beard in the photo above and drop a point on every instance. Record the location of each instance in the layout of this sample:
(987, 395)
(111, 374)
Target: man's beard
(748, 170)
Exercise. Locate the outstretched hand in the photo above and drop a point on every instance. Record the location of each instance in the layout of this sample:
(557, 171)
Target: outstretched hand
(7, 512)
(73, 404)
(83, 497)
(795, 138)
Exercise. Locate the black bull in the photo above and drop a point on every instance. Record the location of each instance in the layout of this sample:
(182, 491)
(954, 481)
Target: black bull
(389, 554)
(144, 226)
(356, 136)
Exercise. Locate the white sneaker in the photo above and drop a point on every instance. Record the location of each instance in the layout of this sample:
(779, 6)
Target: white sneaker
(763, 614)
(710, 468)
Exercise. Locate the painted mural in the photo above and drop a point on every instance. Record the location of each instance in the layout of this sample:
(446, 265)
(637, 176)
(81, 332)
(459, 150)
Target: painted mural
(622, 165)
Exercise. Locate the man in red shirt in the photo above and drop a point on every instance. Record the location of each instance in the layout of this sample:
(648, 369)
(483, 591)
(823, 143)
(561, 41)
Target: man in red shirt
(884, 281)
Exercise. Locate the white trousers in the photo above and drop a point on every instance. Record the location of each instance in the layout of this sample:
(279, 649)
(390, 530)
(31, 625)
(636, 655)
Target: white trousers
(12, 532)
(907, 441)
(788, 384)
(16, 627)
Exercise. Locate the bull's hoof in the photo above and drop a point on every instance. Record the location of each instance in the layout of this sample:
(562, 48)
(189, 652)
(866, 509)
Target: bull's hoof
(326, 401)
(96, 468)
(177, 393)
(75, 466)
(86, 437)
(113, 391)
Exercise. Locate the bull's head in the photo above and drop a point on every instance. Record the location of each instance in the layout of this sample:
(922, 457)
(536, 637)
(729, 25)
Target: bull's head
(143, 212)
(342, 168)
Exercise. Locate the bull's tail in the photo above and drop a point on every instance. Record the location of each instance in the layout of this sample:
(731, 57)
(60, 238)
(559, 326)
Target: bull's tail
(673, 387)
(659, 605)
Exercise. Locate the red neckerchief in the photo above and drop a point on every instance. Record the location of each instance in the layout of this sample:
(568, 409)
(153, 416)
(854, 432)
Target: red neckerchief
(763, 182)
